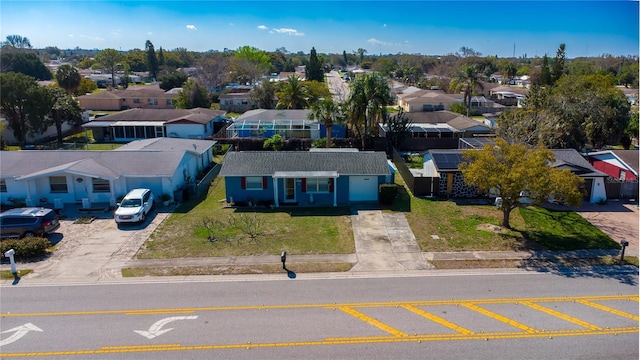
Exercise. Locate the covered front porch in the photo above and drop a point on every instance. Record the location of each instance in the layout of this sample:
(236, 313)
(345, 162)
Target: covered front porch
(305, 187)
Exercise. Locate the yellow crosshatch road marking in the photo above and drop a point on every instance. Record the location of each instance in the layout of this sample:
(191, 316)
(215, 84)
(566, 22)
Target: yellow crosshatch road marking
(437, 319)
(499, 317)
(560, 315)
(608, 309)
(354, 305)
(369, 320)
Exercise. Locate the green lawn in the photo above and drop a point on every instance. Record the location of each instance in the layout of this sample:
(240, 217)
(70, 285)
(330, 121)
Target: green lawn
(447, 226)
(437, 226)
(295, 230)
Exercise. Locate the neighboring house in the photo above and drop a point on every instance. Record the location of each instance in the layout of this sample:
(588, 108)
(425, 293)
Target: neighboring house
(426, 100)
(439, 129)
(59, 177)
(444, 165)
(264, 123)
(237, 102)
(115, 100)
(135, 124)
(507, 95)
(622, 168)
(6, 133)
(325, 178)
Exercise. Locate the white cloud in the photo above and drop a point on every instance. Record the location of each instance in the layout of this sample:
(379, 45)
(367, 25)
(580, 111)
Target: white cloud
(374, 41)
(149, 33)
(293, 32)
(262, 27)
(191, 27)
(95, 38)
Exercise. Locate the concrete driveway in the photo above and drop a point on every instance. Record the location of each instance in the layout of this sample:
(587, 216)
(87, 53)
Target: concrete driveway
(94, 250)
(617, 218)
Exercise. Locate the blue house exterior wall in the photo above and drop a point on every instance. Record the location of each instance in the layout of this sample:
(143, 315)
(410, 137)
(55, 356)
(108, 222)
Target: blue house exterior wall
(235, 193)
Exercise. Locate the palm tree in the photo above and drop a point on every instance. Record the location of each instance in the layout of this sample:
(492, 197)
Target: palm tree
(368, 98)
(328, 112)
(293, 94)
(68, 78)
(466, 80)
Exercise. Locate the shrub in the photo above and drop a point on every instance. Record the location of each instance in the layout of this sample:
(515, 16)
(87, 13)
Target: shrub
(388, 193)
(27, 247)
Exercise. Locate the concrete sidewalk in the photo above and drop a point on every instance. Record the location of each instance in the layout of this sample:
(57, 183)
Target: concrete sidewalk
(384, 245)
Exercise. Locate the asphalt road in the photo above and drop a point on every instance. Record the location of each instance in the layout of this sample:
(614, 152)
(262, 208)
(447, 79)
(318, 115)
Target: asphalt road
(450, 315)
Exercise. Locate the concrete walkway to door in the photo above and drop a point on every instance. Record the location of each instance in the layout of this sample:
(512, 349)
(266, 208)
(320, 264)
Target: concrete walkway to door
(385, 242)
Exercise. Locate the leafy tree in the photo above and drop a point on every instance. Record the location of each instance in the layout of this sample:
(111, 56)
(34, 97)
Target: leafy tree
(592, 109)
(559, 64)
(317, 91)
(137, 60)
(64, 109)
(276, 143)
(264, 94)
(86, 63)
(193, 95)
(366, 105)
(458, 107)
(468, 52)
(152, 60)
(327, 112)
(173, 80)
(545, 75)
(86, 87)
(313, 70)
(160, 57)
(346, 60)
(24, 104)
(68, 78)
(25, 63)
(361, 53)
(510, 70)
(384, 66)
(530, 128)
(511, 169)
(466, 80)
(17, 42)
(109, 60)
(631, 132)
(399, 128)
(293, 94)
(250, 62)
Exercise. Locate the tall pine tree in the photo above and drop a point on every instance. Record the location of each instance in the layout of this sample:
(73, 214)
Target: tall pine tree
(313, 70)
(152, 60)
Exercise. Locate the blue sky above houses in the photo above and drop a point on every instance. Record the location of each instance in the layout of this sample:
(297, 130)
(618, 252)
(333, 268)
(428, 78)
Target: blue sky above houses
(588, 28)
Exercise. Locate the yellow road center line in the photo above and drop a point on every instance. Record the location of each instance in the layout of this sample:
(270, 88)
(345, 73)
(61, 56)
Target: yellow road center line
(139, 346)
(437, 319)
(560, 315)
(608, 309)
(499, 317)
(310, 306)
(371, 321)
(337, 341)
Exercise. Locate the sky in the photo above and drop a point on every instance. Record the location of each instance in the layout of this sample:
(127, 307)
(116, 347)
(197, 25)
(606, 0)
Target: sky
(501, 28)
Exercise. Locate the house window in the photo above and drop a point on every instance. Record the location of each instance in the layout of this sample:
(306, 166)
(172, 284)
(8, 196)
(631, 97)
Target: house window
(3, 185)
(623, 175)
(136, 101)
(101, 185)
(318, 185)
(254, 182)
(118, 132)
(169, 103)
(153, 101)
(58, 184)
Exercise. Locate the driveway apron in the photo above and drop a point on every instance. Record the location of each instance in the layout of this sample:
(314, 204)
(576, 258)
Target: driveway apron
(385, 242)
(618, 219)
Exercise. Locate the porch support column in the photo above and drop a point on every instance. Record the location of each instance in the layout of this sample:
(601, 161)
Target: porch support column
(335, 191)
(275, 191)
(112, 197)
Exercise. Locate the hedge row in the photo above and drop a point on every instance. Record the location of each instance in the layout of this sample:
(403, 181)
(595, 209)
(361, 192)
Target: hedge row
(25, 248)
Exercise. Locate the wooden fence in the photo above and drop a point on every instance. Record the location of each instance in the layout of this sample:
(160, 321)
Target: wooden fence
(618, 189)
(418, 185)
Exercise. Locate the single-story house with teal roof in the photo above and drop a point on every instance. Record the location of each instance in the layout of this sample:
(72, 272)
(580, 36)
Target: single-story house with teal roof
(328, 177)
